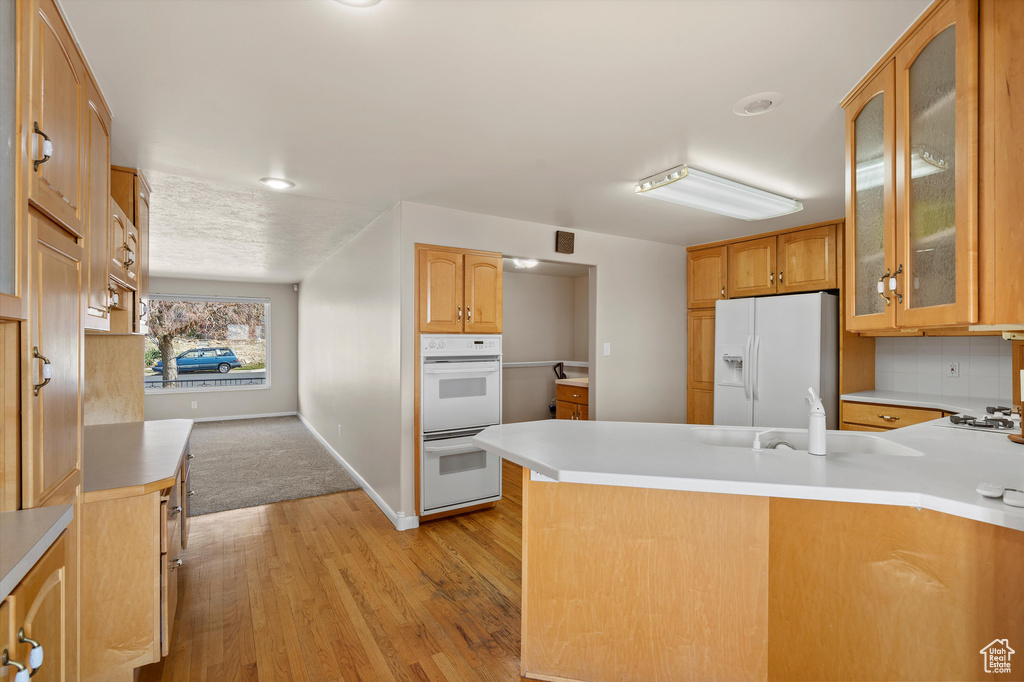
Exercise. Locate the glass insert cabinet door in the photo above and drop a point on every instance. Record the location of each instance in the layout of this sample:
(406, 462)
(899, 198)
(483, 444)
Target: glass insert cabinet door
(871, 210)
(935, 273)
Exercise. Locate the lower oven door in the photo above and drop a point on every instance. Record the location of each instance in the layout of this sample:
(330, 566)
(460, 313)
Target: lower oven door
(460, 395)
(455, 473)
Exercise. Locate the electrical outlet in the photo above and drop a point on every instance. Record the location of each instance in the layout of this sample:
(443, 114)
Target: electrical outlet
(195, 404)
(607, 349)
(953, 369)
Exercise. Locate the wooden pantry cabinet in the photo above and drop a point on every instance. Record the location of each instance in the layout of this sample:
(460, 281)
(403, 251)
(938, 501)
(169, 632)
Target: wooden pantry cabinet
(706, 276)
(700, 366)
(934, 167)
(458, 291)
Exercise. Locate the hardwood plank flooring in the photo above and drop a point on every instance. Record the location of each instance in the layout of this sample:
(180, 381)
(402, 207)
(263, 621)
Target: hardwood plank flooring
(325, 589)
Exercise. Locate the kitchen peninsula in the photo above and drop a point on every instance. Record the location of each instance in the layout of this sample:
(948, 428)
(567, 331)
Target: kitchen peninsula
(649, 553)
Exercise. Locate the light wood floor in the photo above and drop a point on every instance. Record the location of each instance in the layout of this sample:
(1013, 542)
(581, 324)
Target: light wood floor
(325, 588)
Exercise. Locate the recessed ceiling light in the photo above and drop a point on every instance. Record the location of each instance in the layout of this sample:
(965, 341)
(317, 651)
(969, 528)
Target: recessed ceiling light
(359, 3)
(524, 262)
(758, 104)
(277, 183)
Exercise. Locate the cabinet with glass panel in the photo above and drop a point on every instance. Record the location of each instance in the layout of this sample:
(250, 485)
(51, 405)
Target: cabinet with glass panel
(912, 179)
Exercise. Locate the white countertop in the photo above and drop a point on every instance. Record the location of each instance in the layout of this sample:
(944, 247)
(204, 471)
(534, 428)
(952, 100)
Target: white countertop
(583, 382)
(669, 457)
(24, 537)
(133, 458)
(949, 403)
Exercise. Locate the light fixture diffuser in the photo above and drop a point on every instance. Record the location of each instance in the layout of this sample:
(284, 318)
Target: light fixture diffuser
(524, 262)
(277, 183)
(697, 189)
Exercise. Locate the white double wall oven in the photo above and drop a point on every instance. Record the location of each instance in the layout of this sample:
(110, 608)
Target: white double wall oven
(460, 395)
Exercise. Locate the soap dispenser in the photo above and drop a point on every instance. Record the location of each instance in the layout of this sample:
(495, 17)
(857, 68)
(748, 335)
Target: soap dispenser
(816, 427)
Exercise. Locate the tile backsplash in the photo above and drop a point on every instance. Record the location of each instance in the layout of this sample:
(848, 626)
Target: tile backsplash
(920, 364)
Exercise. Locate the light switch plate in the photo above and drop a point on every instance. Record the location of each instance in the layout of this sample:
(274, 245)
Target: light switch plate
(952, 369)
(607, 349)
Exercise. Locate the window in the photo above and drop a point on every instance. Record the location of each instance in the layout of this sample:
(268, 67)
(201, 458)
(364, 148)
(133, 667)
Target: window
(206, 343)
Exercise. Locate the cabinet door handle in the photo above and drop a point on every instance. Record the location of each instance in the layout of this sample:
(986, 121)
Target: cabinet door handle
(174, 511)
(893, 283)
(190, 493)
(21, 675)
(780, 276)
(723, 292)
(469, 314)
(190, 456)
(171, 565)
(35, 655)
(888, 418)
(460, 313)
(47, 372)
(47, 146)
(771, 278)
(881, 287)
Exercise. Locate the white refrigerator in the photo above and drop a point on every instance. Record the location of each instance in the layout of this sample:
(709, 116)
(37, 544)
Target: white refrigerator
(768, 351)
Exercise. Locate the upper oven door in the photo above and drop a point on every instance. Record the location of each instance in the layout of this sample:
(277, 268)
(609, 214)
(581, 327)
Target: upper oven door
(460, 394)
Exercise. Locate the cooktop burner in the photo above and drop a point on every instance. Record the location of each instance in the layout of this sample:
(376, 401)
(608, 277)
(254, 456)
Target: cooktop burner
(999, 419)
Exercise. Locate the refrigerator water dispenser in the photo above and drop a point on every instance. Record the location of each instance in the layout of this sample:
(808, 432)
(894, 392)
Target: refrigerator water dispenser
(730, 365)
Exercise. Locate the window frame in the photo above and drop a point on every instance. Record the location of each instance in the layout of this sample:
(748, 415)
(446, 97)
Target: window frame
(202, 298)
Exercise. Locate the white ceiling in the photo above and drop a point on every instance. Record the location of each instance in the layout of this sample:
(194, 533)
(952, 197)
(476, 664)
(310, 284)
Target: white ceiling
(542, 110)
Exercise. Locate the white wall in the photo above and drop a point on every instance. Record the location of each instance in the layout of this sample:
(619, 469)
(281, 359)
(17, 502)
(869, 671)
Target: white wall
(581, 317)
(538, 324)
(281, 396)
(349, 355)
(639, 288)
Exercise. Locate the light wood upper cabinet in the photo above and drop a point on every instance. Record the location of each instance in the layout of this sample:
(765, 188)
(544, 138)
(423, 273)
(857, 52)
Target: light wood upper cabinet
(130, 191)
(56, 92)
(96, 268)
(706, 279)
(42, 606)
(124, 244)
(483, 294)
(870, 203)
(751, 268)
(806, 260)
(52, 414)
(440, 286)
(912, 179)
(458, 291)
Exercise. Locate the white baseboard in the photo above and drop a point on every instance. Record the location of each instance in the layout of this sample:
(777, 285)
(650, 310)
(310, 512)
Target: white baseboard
(399, 519)
(244, 416)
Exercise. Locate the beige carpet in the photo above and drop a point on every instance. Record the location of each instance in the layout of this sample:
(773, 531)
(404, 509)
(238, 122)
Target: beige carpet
(248, 462)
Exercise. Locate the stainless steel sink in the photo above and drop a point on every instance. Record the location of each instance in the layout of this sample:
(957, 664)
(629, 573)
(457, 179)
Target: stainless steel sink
(836, 442)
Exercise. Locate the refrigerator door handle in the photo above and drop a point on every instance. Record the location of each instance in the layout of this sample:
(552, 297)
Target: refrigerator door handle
(746, 369)
(755, 365)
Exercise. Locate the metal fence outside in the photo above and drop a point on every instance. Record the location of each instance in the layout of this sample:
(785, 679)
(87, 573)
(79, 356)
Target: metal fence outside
(203, 383)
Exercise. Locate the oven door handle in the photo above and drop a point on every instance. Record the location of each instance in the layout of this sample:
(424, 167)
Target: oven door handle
(451, 449)
(487, 369)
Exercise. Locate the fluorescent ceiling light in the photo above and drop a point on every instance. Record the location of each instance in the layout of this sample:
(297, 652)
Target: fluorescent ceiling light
(277, 183)
(872, 173)
(697, 189)
(359, 3)
(524, 262)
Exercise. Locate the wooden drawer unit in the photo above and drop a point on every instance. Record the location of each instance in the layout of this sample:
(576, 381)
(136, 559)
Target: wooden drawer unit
(571, 394)
(884, 417)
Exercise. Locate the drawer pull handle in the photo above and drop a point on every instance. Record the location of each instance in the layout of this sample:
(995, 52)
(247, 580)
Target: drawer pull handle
(47, 146)
(575, 395)
(22, 674)
(190, 493)
(888, 418)
(171, 565)
(174, 511)
(47, 372)
(35, 655)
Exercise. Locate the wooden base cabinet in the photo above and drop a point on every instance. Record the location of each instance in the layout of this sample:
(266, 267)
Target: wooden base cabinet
(700, 366)
(857, 416)
(41, 607)
(572, 402)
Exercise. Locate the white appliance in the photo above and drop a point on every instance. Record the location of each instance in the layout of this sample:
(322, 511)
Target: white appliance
(768, 352)
(460, 395)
